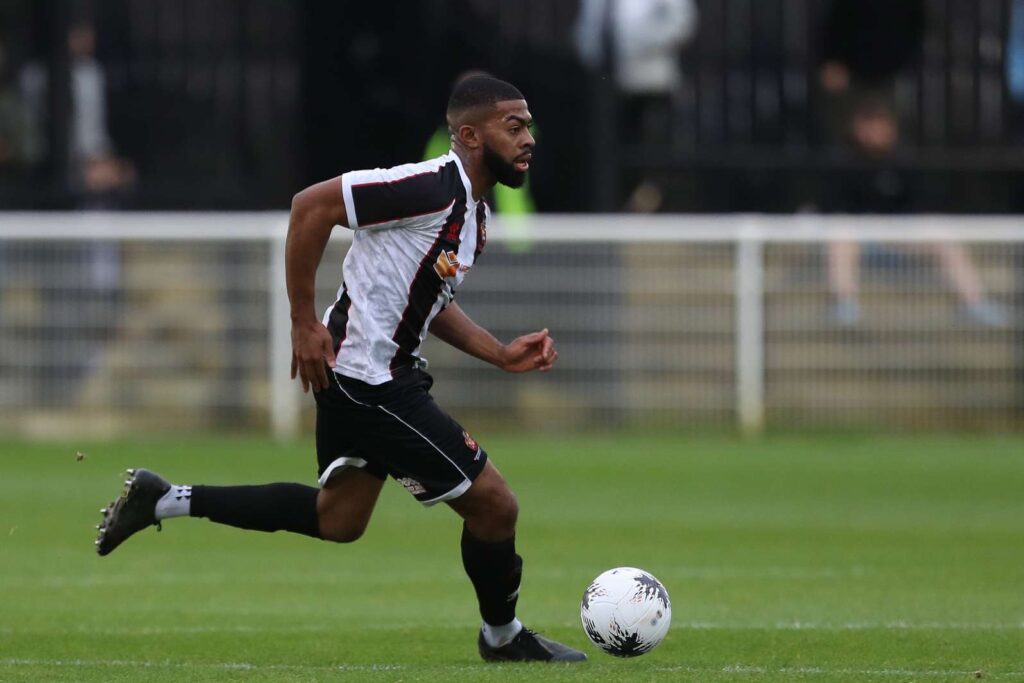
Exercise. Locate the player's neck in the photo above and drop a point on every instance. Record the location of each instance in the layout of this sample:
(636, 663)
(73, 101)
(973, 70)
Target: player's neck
(479, 177)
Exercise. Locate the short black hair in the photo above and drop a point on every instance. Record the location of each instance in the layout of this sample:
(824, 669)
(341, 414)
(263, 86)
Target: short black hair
(479, 90)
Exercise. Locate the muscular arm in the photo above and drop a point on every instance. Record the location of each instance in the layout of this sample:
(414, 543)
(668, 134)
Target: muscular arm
(315, 212)
(535, 351)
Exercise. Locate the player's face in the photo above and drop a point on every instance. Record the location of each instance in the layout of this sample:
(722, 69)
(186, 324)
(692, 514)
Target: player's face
(508, 143)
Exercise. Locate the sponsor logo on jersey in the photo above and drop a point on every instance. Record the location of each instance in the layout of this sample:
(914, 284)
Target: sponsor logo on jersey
(412, 486)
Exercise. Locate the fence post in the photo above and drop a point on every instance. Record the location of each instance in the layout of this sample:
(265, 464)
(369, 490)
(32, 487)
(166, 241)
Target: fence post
(750, 330)
(285, 397)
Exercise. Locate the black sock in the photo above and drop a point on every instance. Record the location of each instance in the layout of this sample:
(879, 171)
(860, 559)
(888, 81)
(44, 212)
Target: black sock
(495, 570)
(272, 507)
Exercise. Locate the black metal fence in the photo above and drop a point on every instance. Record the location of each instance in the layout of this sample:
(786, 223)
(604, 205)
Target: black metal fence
(748, 131)
(199, 100)
(238, 103)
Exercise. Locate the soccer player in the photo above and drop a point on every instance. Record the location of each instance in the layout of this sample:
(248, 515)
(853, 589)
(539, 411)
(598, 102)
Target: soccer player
(418, 229)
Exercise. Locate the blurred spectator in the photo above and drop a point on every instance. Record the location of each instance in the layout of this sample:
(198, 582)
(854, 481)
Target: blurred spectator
(1015, 53)
(88, 290)
(16, 126)
(96, 175)
(639, 42)
(640, 39)
(866, 43)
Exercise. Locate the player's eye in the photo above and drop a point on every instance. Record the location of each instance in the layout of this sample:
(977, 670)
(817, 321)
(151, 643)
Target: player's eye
(514, 130)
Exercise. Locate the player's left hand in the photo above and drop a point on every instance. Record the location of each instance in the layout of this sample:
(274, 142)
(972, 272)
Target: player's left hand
(535, 351)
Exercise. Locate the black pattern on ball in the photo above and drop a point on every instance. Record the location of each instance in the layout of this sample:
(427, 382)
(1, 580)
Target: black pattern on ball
(652, 589)
(626, 645)
(591, 628)
(591, 591)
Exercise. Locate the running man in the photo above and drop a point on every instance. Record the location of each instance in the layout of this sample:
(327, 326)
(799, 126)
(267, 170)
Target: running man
(418, 229)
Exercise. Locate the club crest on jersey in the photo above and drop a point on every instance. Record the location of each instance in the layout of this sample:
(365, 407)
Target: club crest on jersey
(471, 443)
(447, 264)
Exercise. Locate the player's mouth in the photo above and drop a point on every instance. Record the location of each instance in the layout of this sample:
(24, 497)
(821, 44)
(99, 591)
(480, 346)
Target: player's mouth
(522, 163)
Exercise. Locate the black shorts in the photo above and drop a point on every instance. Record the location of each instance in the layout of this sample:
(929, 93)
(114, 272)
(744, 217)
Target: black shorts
(395, 429)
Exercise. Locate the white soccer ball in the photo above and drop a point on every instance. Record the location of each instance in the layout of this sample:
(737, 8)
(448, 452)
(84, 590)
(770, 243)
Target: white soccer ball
(626, 612)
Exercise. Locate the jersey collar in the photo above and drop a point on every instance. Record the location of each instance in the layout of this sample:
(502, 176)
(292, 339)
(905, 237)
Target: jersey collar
(465, 178)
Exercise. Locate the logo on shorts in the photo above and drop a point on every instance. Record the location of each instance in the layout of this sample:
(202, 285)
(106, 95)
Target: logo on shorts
(412, 486)
(471, 444)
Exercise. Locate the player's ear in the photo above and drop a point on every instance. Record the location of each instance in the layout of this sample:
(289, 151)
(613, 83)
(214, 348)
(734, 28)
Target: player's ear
(469, 136)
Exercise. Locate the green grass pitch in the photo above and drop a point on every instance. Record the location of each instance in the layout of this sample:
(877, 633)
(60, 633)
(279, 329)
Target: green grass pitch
(824, 558)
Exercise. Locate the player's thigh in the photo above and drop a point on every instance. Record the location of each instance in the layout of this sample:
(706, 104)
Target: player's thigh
(345, 503)
(341, 428)
(423, 447)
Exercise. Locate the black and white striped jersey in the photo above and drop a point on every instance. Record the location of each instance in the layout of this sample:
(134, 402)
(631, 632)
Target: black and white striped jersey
(417, 233)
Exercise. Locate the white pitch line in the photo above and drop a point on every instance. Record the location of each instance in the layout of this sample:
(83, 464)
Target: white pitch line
(768, 572)
(825, 671)
(86, 629)
(898, 625)
(168, 664)
(371, 668)
(160, 630)
(342, 576)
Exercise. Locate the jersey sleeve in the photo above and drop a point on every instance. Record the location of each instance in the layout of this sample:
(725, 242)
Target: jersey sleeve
(403, 196)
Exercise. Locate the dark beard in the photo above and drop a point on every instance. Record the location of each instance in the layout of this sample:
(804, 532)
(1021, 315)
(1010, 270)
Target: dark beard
(504, 172)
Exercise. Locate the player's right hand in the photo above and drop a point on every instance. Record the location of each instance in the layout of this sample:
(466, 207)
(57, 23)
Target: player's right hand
(312, 354)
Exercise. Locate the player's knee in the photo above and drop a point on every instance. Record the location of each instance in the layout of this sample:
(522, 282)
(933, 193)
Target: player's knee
(343, 533)
(489, 508)
(502, 512)
(511, 510)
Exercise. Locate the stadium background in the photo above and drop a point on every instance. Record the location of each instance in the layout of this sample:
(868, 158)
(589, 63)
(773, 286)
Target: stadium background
(687, 252)
(236, 105)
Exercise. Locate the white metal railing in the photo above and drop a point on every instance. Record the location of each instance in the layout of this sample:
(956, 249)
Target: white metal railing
(754, 237)
(612, 228)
